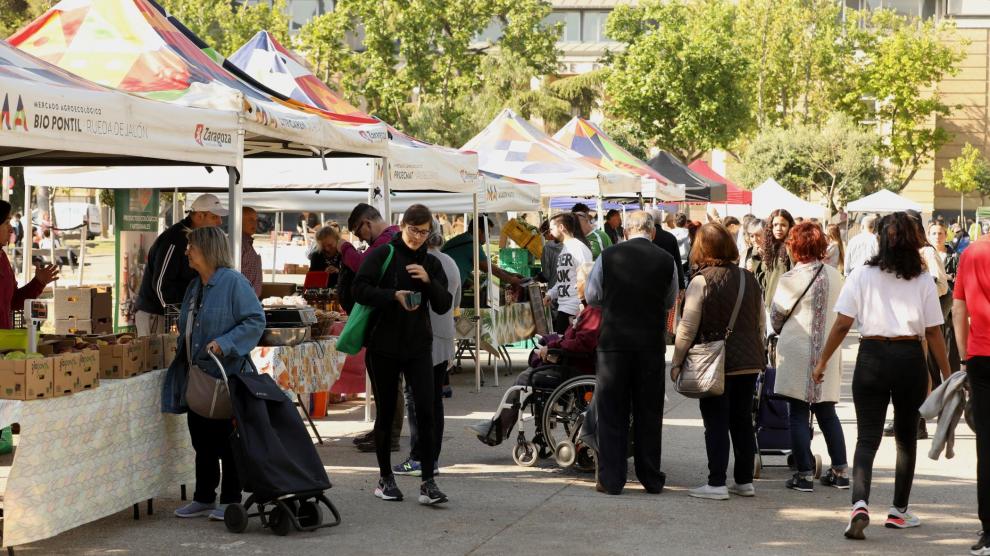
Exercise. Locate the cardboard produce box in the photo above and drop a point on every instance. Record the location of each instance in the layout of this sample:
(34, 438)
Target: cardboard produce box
(120, 360)
(155, 354)
(72, 303)
(89, 370)
(27, 379)
(73, 326)
(277, 289)
(67, 372)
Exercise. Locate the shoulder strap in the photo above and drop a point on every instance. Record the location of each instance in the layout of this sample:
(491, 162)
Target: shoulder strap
(739, 299)
(388, 261)
(800, 297)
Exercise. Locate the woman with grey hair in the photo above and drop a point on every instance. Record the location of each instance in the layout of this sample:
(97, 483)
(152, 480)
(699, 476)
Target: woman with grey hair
(220, 314)
(443, 351)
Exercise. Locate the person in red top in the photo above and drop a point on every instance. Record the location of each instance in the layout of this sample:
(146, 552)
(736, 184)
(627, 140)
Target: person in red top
(12, 297)
(579, 343)
(971, 321)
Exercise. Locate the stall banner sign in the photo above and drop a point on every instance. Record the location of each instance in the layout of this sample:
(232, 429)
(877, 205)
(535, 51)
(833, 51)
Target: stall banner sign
(135, 229)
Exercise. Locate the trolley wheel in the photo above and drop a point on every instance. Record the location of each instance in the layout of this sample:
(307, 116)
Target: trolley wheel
(585, 460)
(757, 465)
(309, 514)
(278, 521)
(818, 466)
(565, 454)
(235, 517)
(525, 454)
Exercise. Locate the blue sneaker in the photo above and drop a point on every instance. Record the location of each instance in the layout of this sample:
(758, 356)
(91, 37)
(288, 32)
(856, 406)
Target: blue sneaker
(217, 514)
(409, 467)
(195, 509)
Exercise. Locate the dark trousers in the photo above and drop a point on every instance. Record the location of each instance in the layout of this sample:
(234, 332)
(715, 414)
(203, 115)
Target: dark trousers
(978, 372)
(561, 321)
(629, 382)
(730, 416)
(801, 432)
(211, 441)
(439, 378)
(887, 371)
(418, 374)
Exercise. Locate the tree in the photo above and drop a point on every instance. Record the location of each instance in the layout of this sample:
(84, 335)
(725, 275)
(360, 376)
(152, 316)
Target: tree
(680, 80)
(15, 14)
(226, 25)
(419, 63)
(892, 80)
(967, 173)
(835, 160)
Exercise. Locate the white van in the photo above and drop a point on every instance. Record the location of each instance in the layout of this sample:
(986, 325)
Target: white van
(69, 214)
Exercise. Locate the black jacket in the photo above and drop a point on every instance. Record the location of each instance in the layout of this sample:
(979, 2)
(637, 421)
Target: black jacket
(666, 241)
(167, 273)
(393, 331)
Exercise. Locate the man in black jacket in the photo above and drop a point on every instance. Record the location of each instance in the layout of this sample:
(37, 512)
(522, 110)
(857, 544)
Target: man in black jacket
(635, 284)
(167, 273)
(666, 241)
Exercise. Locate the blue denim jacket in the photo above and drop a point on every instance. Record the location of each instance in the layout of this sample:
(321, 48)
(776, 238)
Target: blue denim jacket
(232, 315)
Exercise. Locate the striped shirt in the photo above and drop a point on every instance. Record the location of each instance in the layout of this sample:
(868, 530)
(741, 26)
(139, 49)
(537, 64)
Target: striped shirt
(251, 264)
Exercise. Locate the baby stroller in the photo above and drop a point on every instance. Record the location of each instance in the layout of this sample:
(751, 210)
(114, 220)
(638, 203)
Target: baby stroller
(771, 422)
(276, 460)
(556, 398)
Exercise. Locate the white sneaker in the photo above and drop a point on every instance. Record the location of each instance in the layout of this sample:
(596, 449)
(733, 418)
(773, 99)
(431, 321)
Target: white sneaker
(897, 519)
(743, 490)
(709, 492)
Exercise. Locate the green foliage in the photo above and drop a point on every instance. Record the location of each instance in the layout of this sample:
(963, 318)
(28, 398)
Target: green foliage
(15, 14)
(834, 160)
(107, 197)
(625, 134)
(681, 78)
(419, 65)
(900, 63)
(968, 172)
(226, 25)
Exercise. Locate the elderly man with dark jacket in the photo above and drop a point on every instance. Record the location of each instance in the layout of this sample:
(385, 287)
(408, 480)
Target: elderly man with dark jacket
(635, 284)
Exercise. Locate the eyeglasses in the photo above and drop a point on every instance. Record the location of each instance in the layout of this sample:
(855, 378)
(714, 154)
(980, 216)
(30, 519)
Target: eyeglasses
(418, 232)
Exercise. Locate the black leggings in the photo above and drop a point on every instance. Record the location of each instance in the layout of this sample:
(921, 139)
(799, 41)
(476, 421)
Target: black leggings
(211, 441)
(418, 373)
(439, 377)
(887, 371)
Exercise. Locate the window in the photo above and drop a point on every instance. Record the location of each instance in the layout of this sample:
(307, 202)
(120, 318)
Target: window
(572, 24)
(301, 11)
(909, 8)
(969, 7)
(593, 26)
(491, 33)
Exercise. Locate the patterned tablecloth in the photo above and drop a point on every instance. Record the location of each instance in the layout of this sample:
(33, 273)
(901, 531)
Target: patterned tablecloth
(92, 454)
(303, 369)
(504, 325)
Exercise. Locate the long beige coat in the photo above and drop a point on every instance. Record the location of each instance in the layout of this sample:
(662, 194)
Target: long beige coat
(802, 338)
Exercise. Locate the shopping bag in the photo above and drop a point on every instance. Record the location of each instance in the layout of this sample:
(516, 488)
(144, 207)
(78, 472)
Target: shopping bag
(352, 336)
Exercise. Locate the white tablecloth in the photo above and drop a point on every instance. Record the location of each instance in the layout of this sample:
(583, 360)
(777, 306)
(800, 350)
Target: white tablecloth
(306, 368)
(92, 454)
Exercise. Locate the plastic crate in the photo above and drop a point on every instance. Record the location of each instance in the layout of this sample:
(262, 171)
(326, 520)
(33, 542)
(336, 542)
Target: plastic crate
(515, 260)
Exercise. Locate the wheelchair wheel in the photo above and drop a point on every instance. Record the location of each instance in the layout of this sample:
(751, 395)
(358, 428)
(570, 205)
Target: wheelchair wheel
(565, 454)
(562, 412)
(525, 454)
(818, 466)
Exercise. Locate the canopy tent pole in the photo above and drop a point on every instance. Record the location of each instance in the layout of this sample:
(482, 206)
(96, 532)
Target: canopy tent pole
(176, 212)
(477, 298)
(234, 218)
(601, 209)
(493, 294)
(28, 233)
(83, 236)
(278, 230)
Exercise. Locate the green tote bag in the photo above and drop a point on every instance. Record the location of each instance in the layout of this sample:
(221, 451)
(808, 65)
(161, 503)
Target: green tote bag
(352, 336)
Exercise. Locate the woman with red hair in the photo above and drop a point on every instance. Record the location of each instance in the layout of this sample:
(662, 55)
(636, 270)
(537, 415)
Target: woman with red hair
(801, 314)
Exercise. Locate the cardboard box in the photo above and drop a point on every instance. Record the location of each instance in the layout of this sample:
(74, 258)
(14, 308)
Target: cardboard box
(155, 355)
(120, 360)
(67, 372)
(72, 303)
(102, 306)
(27, 379)
(101, 325)
(89, 371)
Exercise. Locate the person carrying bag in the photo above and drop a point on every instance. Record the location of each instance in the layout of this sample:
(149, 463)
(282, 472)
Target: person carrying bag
(352, 337)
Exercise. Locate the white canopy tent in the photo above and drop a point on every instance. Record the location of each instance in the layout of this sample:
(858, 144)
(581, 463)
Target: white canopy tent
(772, 196)
(883, 201)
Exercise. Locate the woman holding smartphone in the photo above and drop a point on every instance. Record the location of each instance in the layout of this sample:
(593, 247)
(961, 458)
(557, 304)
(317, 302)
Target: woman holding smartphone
(403, 282)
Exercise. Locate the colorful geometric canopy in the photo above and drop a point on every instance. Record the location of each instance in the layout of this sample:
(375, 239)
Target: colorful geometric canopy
(589, 140)
(413, 164)
(134, 46)
(50, 116)
(511, 146)
(734, 195)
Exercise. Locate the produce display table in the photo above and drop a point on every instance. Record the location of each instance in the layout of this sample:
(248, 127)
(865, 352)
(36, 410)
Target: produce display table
(302, 369)
(499, 326)
(90, 455)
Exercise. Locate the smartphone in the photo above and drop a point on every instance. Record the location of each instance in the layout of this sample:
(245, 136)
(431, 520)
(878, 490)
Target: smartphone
(414, 299)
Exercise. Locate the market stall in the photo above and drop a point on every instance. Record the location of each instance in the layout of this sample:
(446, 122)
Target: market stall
(772, 196)
(738, 201)
(590, 141)
(883, 201)
(696, 186)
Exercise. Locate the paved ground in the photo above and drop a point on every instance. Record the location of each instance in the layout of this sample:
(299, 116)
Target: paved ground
(498, 508)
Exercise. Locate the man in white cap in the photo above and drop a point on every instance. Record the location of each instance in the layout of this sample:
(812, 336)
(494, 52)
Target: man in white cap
(167, 273)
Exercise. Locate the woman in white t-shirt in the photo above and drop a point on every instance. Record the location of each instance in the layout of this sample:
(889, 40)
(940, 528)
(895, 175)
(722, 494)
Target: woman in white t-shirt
(566, 229)
(894, 303)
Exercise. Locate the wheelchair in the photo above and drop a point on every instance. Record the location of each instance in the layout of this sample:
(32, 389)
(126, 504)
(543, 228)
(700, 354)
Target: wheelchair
(554, 401)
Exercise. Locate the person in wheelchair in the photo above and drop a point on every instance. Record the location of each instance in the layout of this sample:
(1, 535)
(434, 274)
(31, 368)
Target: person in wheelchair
(559, 358)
